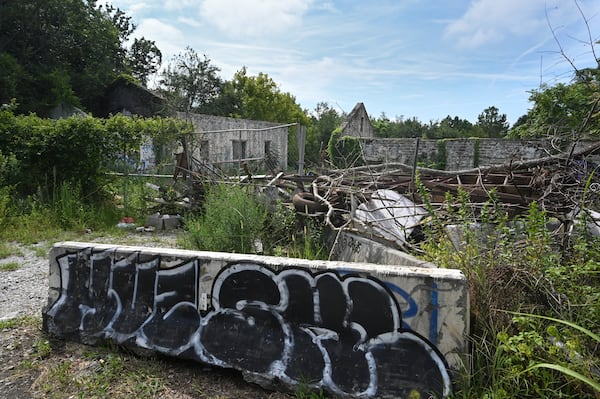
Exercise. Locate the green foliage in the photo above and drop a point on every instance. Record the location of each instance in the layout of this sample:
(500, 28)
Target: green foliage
(344, 151)
(400, 127)
(17, 322)
(231, 222)
(39, 154)
(448, 127)
(513, 265)
(563, 109)
(65, 51)
(9, 266)
(261, 99)
(144, 59)
(6, 250)
(492, 123)
(190, 82)
(306, 239)
(323, 122)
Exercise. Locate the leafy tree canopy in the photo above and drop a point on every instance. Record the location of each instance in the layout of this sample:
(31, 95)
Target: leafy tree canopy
(323, 121)
(564, 109)
(492, 123)
(191, 83)
(260, 98)
(66, 51)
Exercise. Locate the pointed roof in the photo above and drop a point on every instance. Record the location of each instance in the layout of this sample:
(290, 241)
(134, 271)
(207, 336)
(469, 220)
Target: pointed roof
(357, 122)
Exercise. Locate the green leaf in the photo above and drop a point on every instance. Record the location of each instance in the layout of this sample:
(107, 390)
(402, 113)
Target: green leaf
(577, 327)
(568, 372)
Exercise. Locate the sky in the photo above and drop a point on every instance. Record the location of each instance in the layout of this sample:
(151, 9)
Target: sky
(404, 58)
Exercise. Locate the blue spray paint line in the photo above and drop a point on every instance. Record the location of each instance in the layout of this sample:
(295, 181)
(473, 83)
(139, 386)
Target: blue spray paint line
(433, 321)
(413, 308)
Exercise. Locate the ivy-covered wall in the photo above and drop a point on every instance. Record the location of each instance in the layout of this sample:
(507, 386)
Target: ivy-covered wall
(455, 154)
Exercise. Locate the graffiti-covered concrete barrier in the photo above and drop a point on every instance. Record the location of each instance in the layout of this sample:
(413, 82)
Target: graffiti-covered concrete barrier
(353, 329)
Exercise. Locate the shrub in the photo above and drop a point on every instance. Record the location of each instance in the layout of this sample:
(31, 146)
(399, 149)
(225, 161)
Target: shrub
(344, 151)
(231, 222)
(513, 265)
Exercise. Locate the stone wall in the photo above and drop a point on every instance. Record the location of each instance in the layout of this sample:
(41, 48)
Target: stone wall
(219, 133)
(457, 154)
(357, 330)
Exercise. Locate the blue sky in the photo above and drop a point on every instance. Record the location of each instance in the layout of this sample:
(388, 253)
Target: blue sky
(410, 58)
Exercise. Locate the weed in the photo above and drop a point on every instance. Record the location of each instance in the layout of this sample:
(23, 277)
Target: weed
(9, 266)
(7, 250)
(42, 251)
(512, 265)
(17, 322)
(305, 392)
(42, 348)
(231, 221)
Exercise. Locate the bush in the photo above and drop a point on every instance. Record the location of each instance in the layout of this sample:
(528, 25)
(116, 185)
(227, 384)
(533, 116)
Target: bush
(231, 222)
(344, 152)
(513, 265)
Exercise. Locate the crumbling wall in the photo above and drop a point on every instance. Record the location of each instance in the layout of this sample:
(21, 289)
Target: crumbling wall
(457, 154)
(220, 132)
(353, 329)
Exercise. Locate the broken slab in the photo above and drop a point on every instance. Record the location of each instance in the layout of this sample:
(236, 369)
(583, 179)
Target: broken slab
(357, 330)
(350, 247)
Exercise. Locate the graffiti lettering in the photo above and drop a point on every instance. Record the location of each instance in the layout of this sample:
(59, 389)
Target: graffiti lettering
(337, 331)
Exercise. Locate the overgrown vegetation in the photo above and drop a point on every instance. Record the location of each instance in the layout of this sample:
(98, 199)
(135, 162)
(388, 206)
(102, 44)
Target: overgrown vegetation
(526, 288)
(235, 219)
(344, 151)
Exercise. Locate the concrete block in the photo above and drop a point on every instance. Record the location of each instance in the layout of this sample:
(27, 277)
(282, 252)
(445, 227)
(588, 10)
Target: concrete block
(357, 330)
(163, 222)
(352, 247)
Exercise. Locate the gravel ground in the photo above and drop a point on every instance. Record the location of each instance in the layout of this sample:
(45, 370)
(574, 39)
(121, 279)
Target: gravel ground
(23, 292)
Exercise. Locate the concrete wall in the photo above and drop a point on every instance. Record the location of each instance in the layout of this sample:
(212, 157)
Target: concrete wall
(456, 154)
(353, 329)
(219, 132)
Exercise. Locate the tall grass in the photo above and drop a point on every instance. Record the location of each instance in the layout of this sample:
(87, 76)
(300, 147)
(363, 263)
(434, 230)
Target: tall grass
(235, 219)
(34, 218)
(232, 221)
(517, 265)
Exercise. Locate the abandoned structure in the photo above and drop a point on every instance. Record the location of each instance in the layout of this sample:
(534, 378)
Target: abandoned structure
(358, 124)
(129, 98)
(221, 141)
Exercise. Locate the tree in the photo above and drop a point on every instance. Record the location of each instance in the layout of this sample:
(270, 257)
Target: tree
(400, 127)
(64, 51)
(324, 120)
(144, 59)
(492, 122)
(191, 83)
(261, 99)
(562, 109)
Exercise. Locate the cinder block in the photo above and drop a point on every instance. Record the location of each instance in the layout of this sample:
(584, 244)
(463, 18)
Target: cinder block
(357, 330)
(163, 222)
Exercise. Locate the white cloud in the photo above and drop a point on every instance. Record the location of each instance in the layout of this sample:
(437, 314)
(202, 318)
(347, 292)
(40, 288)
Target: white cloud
(254, 17)
(168, 38)
(490, 21)
(194, 23)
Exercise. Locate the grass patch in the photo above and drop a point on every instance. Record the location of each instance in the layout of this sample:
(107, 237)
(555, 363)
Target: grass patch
(18, 322)
(101, 373)
(7, 250)
(9, 266)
